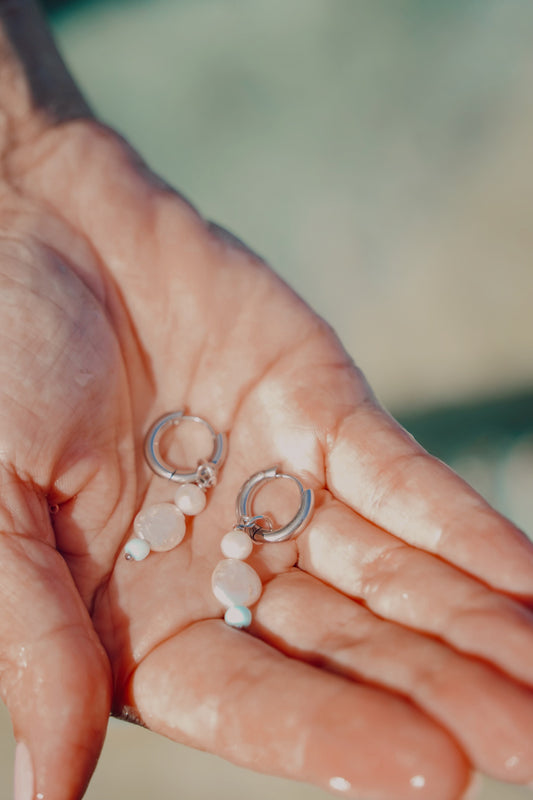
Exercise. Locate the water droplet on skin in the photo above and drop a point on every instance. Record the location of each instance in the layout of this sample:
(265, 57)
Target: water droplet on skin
(22, 660)
(84, 377)
(418, 781)
(340, 784)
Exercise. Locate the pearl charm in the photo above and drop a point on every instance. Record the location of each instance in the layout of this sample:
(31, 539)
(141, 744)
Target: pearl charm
(235, 583)
(236, 544)
(137, 549)
(162, 526)
(190, 499)
(238, 616)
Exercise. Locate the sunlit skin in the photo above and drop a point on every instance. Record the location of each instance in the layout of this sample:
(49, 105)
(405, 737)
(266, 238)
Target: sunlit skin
(391, 651)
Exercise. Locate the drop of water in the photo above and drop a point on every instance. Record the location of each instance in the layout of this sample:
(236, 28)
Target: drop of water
(512, 762)
(340, 784)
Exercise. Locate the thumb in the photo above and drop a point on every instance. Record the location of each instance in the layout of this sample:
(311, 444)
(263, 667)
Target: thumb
(54, 674)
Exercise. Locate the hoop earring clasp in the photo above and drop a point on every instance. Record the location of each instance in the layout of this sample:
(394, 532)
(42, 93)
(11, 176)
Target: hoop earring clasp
(263, 532)
(205, 474)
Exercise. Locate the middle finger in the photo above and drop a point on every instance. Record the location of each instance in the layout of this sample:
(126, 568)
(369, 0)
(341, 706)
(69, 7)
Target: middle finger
(488, 714)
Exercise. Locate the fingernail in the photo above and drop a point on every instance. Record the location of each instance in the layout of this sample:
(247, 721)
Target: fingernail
(23, 773)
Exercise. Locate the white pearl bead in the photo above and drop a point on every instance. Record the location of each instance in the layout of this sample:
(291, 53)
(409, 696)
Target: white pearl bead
(238, 616)
(137, 549)
(235, 583)
(236, 544)
(161, 525)
(190, 499)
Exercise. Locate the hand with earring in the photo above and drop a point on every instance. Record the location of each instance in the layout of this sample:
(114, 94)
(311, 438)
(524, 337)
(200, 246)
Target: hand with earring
(390, 650)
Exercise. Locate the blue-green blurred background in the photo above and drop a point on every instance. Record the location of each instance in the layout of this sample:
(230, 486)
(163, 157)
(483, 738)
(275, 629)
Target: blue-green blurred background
(379, 156)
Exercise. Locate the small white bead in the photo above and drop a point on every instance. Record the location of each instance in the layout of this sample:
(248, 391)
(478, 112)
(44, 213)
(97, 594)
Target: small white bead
(161, 525)
(236, 583)
(238, 616)
(190, 499)
(137, 549)
(236, 544)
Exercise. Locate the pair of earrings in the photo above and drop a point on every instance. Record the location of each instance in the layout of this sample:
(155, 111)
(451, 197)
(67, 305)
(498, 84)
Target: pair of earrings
(161, 527)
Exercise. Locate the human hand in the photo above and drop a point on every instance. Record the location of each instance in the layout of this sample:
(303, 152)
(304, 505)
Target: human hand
(392, 643)
(119, 303)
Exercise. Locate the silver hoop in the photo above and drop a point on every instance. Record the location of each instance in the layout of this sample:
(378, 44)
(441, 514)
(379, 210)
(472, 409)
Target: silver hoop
(205, 474)
(250, 523)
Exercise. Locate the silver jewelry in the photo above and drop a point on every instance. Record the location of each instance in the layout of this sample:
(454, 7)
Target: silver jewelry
(236, 584)
(161, 527)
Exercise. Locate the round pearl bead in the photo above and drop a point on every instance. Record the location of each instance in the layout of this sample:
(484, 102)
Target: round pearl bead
(137, 549)
(236, 583)
(238, 616)
(190, 499)
(236, 544)
(162, 526)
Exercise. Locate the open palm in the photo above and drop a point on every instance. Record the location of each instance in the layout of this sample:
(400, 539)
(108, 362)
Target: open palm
(391, 649)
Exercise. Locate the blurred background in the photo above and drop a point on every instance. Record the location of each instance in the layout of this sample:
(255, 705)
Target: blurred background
(379, 156)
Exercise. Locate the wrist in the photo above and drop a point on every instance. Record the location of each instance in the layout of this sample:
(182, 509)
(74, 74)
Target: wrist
(36, 89)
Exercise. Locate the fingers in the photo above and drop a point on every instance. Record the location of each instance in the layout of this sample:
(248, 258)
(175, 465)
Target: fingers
(222, 690)
(488, 714)
(54, 676)
(382, 473)
(416, 589)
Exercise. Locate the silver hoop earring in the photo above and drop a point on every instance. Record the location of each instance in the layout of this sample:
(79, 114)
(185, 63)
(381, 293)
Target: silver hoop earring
(234, 583)
(161, 527)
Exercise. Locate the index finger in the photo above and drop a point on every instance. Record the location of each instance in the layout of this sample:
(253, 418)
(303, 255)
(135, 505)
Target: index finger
(226, 691)
(380, 471)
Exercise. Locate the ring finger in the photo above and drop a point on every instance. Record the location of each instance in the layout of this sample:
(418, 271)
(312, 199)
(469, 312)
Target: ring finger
(416, 589)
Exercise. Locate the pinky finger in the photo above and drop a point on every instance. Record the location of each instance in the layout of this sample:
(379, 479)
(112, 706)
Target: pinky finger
(378, 470)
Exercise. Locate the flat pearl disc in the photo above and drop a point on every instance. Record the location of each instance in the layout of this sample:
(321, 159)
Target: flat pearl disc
(161, 525)
(236, 583)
